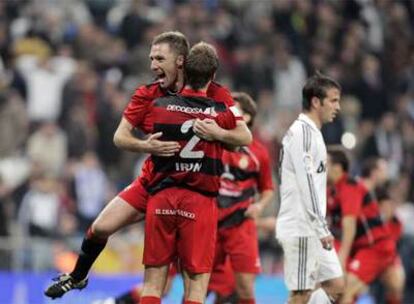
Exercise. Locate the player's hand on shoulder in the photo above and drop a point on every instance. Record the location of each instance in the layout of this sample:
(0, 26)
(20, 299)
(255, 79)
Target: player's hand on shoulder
(158, 147)
(207, 129)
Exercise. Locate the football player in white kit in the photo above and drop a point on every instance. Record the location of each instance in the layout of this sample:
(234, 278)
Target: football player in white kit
(309, 257)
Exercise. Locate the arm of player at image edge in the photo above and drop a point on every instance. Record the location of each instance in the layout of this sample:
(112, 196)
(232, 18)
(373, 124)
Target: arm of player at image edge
(126, 140)
(208, 129)
(303, 163)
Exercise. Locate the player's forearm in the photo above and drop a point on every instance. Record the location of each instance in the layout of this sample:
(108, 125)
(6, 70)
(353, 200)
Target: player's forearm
(125, 140)
(265, 198)
(239, 136)
(130, 144)
(348, 234)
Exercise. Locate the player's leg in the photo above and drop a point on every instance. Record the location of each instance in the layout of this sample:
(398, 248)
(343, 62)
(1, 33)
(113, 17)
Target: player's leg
(300, 267)
(365, 266)
(245, 287)
(241, 244)
(119, 212)
(393, 279)
(196, 287)
(197, 222)
(160, 244)
(354, 287)
(155, 278)
(330, 276)
(133, 296)
(222, 281)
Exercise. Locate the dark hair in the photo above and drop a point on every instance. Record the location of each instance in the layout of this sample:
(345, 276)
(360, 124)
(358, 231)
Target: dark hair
(317, 86)
(338, 156)
(201, 65)
(247, 104)
(369, 165)
(382, 194)
(176, 40)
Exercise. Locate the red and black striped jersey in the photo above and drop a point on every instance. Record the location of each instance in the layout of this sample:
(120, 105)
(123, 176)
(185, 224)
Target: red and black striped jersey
(197, 166)
(138, 112)
(247, 172)
(395, 227)
(350, 197)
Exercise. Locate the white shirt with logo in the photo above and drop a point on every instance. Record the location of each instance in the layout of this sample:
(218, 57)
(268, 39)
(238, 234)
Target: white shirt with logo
(302, 182)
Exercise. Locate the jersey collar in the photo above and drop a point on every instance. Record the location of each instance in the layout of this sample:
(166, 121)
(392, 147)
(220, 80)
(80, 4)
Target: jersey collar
(190, 92)
(303, 117)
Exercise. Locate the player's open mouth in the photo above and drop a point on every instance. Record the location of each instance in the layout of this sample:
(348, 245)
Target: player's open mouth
(161, 77)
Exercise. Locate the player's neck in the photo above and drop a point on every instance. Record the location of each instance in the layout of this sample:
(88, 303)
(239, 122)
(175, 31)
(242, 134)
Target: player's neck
(179, 84)
(200, 90)
(315, 118)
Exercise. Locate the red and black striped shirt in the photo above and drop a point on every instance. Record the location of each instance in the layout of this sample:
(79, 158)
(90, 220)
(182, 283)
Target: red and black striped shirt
(138, 112)
(197, 166)
(351, 198)
(247, 172)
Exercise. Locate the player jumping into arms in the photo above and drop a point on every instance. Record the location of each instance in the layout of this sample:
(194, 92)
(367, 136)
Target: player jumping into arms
(168, 53)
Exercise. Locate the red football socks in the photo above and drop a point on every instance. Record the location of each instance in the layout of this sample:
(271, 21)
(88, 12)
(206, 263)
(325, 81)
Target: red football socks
(150, 300)
(191, 302)
(246, 301)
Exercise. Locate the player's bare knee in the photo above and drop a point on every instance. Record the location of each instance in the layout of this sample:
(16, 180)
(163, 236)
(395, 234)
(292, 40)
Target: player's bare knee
(335, 288)
(100, 229)
(245, 290)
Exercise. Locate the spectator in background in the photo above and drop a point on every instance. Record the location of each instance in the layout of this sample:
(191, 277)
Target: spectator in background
(370, 88)
(39, 215)
(13, 123)
(43, 73)
(91, 189)
(386, 143)
(253, 69)
(47, 147)
(289, 75)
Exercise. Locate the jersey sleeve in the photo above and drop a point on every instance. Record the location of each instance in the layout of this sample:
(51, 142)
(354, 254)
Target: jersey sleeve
(350, 199)
(265, 174)
(138, 106)
(222, 94)
(302, 160)
(226, 119)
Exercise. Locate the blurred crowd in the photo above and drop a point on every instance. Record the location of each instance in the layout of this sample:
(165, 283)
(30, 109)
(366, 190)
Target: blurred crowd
(68, 68)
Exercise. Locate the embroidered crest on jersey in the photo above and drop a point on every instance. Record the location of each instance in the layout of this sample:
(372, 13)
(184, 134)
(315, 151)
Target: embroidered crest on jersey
(308, 161)
(243, 162)
(321, 167)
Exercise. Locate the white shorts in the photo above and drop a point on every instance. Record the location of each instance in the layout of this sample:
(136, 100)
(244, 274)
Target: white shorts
(306, 263)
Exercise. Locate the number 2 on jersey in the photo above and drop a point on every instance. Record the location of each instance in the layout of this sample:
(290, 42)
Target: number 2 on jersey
(187, 151)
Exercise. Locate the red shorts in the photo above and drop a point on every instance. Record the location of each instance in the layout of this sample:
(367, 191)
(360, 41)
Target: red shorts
(135, 195)
(369, 262)
(240, 243)
(181, 223)
(222, 279)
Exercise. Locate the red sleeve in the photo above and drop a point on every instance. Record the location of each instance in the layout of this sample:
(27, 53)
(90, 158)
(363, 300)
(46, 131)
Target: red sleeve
(226, 120)
(350, 199)
(265, 174)
(139, 105)
(222, 94)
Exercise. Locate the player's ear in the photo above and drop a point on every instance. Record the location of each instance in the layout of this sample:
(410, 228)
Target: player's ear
(315, 102)
(180, 61)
